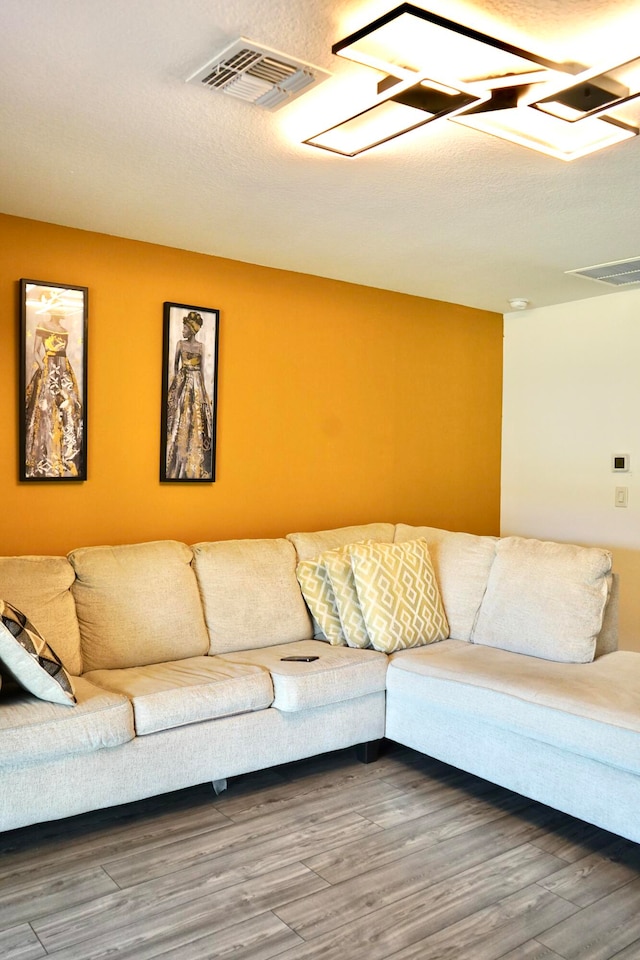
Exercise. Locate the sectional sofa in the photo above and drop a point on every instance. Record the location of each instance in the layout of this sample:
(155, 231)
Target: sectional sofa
(174, 656)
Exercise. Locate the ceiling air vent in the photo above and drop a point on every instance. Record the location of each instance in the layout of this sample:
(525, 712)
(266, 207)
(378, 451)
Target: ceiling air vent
(620, 273)
(257, 74)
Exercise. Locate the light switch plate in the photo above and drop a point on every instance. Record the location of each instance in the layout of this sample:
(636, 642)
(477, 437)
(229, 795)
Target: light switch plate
(622, 496)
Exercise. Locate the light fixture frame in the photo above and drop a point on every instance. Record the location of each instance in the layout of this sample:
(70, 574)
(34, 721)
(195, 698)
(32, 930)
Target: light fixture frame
(547, 146)
(589, 78)
(518, 100)
(341, 46)
(394, 93)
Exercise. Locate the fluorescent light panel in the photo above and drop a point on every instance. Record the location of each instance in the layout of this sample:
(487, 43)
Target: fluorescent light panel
(406, 106)
(411, 40)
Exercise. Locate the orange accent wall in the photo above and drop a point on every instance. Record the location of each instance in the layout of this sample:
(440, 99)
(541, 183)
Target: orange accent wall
(337, 403)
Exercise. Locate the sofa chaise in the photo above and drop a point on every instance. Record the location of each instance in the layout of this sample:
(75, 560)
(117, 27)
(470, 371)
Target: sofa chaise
(175, 658)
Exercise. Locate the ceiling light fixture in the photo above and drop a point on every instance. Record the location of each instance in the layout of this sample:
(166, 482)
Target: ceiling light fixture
(446, 70)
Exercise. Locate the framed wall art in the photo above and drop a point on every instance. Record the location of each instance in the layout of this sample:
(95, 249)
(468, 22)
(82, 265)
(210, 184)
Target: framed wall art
(189, 393)
(53, 381)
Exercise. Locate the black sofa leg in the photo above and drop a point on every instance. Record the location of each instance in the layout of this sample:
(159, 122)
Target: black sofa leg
(368, 752)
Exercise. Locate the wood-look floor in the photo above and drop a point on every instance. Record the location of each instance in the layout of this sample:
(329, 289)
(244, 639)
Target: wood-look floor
(327, 859)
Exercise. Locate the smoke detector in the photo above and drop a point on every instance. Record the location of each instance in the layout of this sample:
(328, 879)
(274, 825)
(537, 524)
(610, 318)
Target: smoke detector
(518, 303)
(618, 273)
(257, 74)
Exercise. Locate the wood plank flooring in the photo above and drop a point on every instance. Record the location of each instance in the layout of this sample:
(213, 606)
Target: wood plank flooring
(326, 859)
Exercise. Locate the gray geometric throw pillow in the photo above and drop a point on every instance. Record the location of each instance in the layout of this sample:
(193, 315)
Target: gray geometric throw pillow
(29, 659)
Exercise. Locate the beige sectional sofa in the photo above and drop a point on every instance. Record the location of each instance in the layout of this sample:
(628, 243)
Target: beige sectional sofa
(175, 655)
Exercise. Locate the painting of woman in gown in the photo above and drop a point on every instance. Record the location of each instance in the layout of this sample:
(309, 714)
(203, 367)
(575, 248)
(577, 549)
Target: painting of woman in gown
(54, 409)
(190, 433)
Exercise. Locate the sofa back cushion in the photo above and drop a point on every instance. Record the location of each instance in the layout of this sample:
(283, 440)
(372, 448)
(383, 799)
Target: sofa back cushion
(137, 604)
(311, 545)
(250, 594)
(41, 588)
(607, 639)
(461, 562)
(545, 599)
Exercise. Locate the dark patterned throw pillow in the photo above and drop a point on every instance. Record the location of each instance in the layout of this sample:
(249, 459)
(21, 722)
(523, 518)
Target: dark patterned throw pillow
(29, 659)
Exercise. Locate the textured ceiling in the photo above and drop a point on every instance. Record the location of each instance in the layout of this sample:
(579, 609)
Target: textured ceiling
(99, 131)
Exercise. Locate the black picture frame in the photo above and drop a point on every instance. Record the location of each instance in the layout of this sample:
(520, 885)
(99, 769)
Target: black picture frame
(189, 393)
(52, 380)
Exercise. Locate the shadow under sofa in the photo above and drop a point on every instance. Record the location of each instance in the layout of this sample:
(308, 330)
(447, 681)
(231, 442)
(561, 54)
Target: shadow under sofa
(175, 654)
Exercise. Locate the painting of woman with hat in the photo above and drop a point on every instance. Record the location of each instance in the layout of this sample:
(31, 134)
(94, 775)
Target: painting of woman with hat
(53, 438)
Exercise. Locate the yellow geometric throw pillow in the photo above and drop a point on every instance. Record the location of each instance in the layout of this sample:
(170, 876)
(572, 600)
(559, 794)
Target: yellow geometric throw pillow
(338, 566)
(398, 594)
(318, 594)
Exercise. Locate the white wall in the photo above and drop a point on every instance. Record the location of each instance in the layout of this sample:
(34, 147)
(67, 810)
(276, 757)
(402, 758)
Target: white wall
(571, 400)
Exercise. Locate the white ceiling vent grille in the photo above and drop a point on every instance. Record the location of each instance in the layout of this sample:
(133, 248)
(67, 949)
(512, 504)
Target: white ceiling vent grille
(620, 273)
(257, 74)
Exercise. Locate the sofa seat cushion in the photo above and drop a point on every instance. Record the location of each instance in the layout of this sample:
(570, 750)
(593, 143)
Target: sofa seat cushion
(166, 695)
(339, 673)
(33, 730)
(592, 709)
